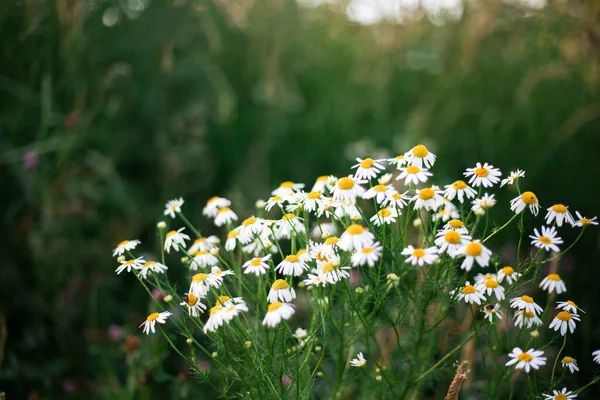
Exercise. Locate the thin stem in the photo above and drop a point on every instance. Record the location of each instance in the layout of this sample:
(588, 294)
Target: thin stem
(189, 224)
(556, 360)
(454, 350)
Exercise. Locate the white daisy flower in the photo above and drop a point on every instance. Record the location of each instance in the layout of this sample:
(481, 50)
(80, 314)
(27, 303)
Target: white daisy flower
(291, 265)
(328, 248)
(490, 285)
(560, 213)
(173, 206)
(449, 240)
(384, 216)
(460, 190)
(315, 279)
(225, 216)
(281, 290)
(312, 201)
(300, 335)
(398, 161)
(232, 238)
(213, 205)
(359, 361)
(201, 284)
(583, 221)
(287, 188)
(420, 256)
(368, 168)
(469, 294)
(553, 282)
(347, 208)
(128, 265)
(527, 199)
(174, 239)
(276, 312)
(274, 201)
(548, 240)
(413, 175)
(204, 244)
(490, 310)
(571, 363)
(483, 175)
(202, 259)
(514, 176)
(332, 272)
(251, 227)
(419, 156)
(427, 198)
(355, 237)
(527, 318)
(509, 273)
(526, 360)
(562, 395)
(395, 200)
(347, 188)
(564, 320)
(224, 310)
(323, 182)
(447, 212)
(289, 225)
(526, 303)
(456, 225)
(304, 255)
(473, 252)
(385, 179)
(379, 192)
(193, 304)
(152, 266)
(257, 266)
(568, 306)
(150, 323)
(367, 255)
(485, 202)
(596, 356)
(125, 245)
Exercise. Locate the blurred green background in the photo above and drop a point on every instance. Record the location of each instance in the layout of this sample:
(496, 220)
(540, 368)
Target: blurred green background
(110, 108)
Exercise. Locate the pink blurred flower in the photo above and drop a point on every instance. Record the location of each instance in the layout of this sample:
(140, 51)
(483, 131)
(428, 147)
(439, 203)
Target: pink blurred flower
(115, 333)
(158, 295)
(286, 380)
(30, 160)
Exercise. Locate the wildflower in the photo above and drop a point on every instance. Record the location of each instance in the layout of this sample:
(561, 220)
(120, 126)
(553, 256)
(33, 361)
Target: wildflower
(562, 395)
(456, 225)
(427, 198)
(393, 277)
(150, 323)
(596, 356)
(332, 272)
(347, 188)
(571, 363)
(291, 265)
(128, 265)
(490, 310)
(528, 318)
(473, 252)
(489, 285)
(368, 168)
(276, 312)
(553, 282)
(315, 280)
(250, 227)
(525, 303)
(175, 239)
(300, 335)
(419, 256)
(450, 240)
(568, 306)
(257, 266)
(459, 189)
(281, 290)
(203, 244)
(312, 201)
(469, 294)
(125, 245)
(323, 182)
(449, 211)
(486, 201)
(161, 225)
(519, 203)
(398, 161)
(485, 175)
(213, 205)
(355, 237)
(173, 206)
(225, 216)
(193, 304)
(384, 216)
(152, 266)
(396, 200)
(509, 273)
(259, 204)
(379, 192)
(289, 225)
(548, 240)
(202, 258)
(224, 311)
(583, 221)
(413, 175)
(560, 213)
(304, 255)
(419, 156)
(287, 188)
(526, 360)
(359, 361)
(367, 255)
(347, 208)
(274, 201)
(535, 333)
(168, 298)
(385, 179)
(513, 177)
(201, 284)
(564, 320)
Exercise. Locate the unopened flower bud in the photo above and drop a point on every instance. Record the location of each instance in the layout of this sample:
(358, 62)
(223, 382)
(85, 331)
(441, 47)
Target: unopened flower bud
(378, 377)
(534, 333)
(318, 348)
(301, 284)
(260, 204)
(393, 277)
(248, 344)
(417, 223)
(121, 259)
(161, 225)
(184, 260)
(320, 374)
(168, 298)
(377, 370)
(214, 354)
(359, 290)
(189, 341)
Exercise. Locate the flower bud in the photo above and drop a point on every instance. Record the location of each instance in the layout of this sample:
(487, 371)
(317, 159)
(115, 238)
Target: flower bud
(260, 204)
(214, 251)
(378, 377)
(320, 374)
(248, 344)
(214, 354)
(189, 341)
(161, 225)
(417, 222)
(534, 333)
(318, 348)
(168, 298)
(393, 277)
(184, 260)
(359, 290)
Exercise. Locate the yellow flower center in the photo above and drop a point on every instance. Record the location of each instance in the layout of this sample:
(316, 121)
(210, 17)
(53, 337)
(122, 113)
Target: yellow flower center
(508, 270)
(561, 396)
(346, 183)
(152, 316)
(249, 221)
(412, 169)
(323, 178)
(212, 199)
(233, 234)
(215, 309)
(199, 277)
(529, 198)
(331, 240)
(174, 207)
(328, 267)
(426, 194)
(149, 263)
(355, 229)
(191, 300)
(527, 299)
(129, 262)
(255, 262)
(200, 253)
(385, 212)
(482, 172)
(474, 249)
(313, 195)
(199, 240)
(291, 259)
(564, 316)
(287, 185)
(559, 208)
(275, 199)
(222, 299)
(288, 216)
(456, 223)
(367, 163)
(171, 234)
(418, 253)
(280, 284)
(585, 221)
(459, 185)
(553, 277)
(420, 151)
(567, 360)
(470, 289)
(367, 250)
(400, 157)
(545, 240)
(524, 357)
(223, 210)
(123, 243)
(569, 302)
(527, 314)
(452, 237)
(491, 283)
(300, 252)
(380, 188)
(396, 196)
(274, 306)
(321, 257)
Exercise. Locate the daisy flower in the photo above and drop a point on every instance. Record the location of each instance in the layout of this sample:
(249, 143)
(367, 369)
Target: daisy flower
(276, 312)
(250, 227)
(128, 265)
(315, 280)
(173, 206)
(469, 294)
(571, 363)
(562, 395)
(560, 213)
(193, 304)
(514, 176)
(459, 189)
(257, 266)
(473, 252)
(384, 216)
(527, 199)
(274, 201)
(291, 265)
(379, 192)
(224, 310)
(150, 323)
(367, 255)
(332, 272)
(526, 360)
(427, 198)
(553, 282)
(125, 245)
(281, 290)
(490, 285)
(396, 200)
(486, 201)
(419, 156)
(368, 168)
(419, 256)
(312, 201)
(347, 189)
(174, 239)
(202, 258)
(413, 175)
(152, 266)
(583, 221)
(596, 356)
(528, 318)
(359, 361)
(385, 179)
(525, 303)
(355, 237)
(201, 284)
(203, 244)
(483, 175)
(456, 225)
(225, 216)
(323, 182)
(450, 240)
(490, 310)
(564, 320)
(568, 306)
(287, 188)
(548, 240)
(231, 241)
(509, 273)
(289, 225)
(329, 247)
(301, 335)
(213, 205)
(304, 255)
(397, 161)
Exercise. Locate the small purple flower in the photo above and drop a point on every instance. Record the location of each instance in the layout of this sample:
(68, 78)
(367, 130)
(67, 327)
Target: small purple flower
(115, 333)
(286, 380)
(30, 160)
(158, 295)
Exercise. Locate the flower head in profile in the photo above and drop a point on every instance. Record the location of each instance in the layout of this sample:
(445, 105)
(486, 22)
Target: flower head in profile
(213, 205)
(562, 395)
(569, 306)
(276, 312)
(513, 177)
(509, 274)
(553, 282)
(473, 252)
(359, 361)
(193, 304)
(525, 303)
(584, 221)
(571, 363)
(548, 240)
(526, 359)
(173, 206)
(291, 265)
(225, 216)
(413, 175)
(379, 192)
(397, 161)
(482, 204)
(483, 175)
(564, 320)
(152, 267)
(526, 199)
(420, 256)
(368, 168)
(469, 293)
(526, 318)
(355, 237)
(150, 323)
(367, 255)
(137, 263)
(281, 290)
(224, 310)
(419, 156)
(257, 265)
(427, 198)
(287, 188)
(560, 214)
(175, 239)
(385, 216)
(125, 245)
(460, 190)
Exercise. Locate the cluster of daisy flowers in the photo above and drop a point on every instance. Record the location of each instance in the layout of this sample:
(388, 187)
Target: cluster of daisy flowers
(330, 235)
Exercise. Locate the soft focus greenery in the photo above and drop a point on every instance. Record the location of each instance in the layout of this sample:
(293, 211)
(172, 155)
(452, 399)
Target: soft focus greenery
(100, 124)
